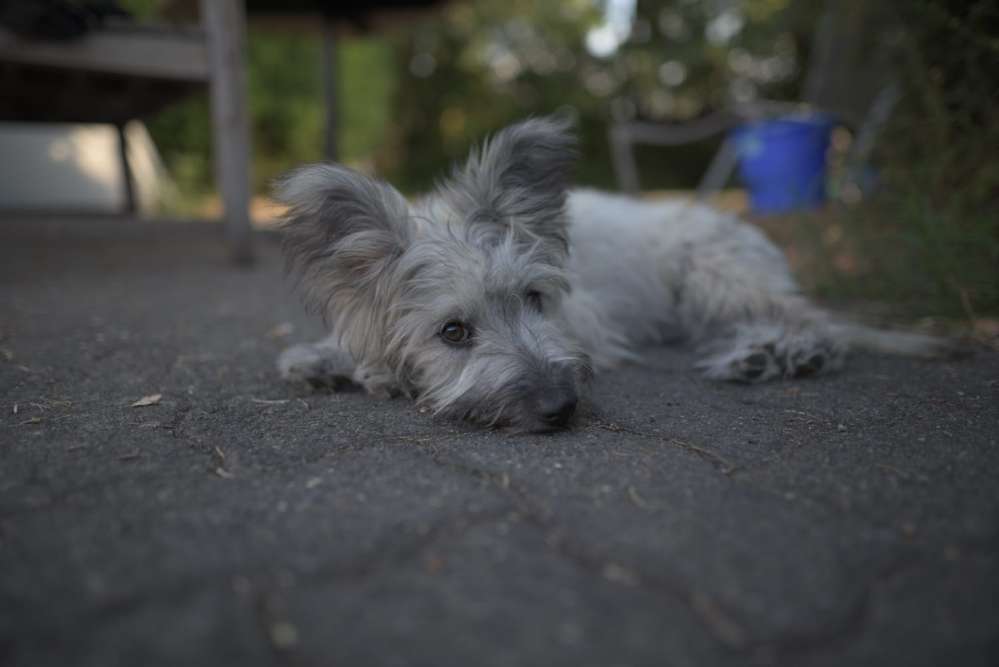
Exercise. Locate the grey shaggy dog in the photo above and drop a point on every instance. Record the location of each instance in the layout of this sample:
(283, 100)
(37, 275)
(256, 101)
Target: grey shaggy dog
(495, 297)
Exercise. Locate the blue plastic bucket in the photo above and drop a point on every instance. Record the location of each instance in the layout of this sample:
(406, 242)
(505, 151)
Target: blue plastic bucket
(783, 162)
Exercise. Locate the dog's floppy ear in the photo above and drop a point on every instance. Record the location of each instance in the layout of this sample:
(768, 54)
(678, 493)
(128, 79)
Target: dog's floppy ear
(342, 234)
(518, 179)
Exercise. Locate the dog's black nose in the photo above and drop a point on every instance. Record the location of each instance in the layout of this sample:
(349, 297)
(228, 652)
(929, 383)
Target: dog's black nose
(557, 408)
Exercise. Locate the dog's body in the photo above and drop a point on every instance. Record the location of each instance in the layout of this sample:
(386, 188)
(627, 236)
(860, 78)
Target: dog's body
(494, 297)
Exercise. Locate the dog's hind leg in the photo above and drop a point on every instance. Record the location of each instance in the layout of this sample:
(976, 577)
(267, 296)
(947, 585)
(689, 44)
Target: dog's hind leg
(761, 351)
(735, 297)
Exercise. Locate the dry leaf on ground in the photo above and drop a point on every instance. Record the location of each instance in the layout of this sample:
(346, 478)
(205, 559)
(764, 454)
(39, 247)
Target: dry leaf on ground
(282, 330)
(152, 399)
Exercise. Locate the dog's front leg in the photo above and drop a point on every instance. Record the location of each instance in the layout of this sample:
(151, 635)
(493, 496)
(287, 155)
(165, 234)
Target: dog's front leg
(377, 381)
(321, 364)
(326, 364)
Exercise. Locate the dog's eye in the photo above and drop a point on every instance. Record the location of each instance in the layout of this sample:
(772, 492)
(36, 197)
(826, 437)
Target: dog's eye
(455, 333)
(533, 299)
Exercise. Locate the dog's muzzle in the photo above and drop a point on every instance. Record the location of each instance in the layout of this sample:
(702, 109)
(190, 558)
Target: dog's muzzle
(556, 409)
(555, 402)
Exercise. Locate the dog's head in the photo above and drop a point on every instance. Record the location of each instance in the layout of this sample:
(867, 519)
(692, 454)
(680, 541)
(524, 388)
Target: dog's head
(458, 296)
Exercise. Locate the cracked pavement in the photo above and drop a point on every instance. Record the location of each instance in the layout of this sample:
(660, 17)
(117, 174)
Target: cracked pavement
(847, 520)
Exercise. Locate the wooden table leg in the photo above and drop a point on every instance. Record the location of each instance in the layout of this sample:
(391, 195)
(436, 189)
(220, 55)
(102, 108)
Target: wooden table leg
(225, 24)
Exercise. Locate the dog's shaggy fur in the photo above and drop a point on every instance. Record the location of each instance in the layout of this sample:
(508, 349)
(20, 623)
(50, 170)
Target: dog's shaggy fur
(494, 297)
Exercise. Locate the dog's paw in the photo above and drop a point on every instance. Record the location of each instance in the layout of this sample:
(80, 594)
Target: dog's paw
(377, 381)
(808, 357)
(747, 365)
(792, 357)
(320, 366)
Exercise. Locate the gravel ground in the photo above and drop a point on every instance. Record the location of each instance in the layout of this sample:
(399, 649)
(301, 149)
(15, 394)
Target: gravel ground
(850, 520)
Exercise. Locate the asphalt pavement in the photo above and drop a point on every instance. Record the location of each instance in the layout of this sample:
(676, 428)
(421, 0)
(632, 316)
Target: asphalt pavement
(234, 520)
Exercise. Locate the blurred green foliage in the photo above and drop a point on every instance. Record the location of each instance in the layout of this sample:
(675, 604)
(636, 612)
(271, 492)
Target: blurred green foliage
(480, 65)
(929, 240)
(286, 111)
(415, 97)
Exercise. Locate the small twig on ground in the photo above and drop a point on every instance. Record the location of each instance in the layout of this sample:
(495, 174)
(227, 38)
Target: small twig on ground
(969, 311)
(637, 499)
(270, 401)
(723, 626)
(220, 468)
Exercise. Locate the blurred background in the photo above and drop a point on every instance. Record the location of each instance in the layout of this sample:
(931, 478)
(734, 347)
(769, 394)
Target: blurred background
(904, 91)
